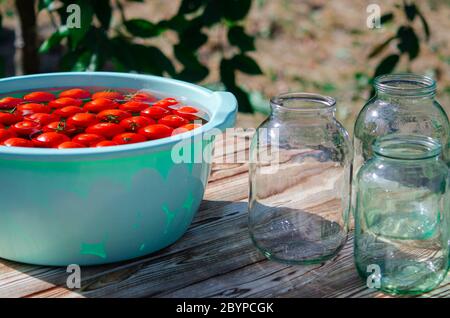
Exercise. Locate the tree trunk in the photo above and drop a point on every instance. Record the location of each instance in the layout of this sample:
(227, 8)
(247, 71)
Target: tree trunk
(27, 60)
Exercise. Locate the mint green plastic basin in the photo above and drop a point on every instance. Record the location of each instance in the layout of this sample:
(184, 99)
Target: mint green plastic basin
(101, 205)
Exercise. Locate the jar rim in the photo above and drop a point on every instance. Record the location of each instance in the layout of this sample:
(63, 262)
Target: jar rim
(407, 147)
(303, 102)
(405, 84)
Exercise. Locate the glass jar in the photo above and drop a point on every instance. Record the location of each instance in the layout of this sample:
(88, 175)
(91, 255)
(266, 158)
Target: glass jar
(401, 215)
(403, 104)
(300, 179)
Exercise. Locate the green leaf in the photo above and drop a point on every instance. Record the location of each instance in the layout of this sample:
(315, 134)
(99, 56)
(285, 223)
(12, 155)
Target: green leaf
(54, 39)
(410, 11)
(45, 4)
(245, 64)
(227, 75)
(213, 13)
(242, 97)
(103, 11)
(238, 37)
(385, 18)
(143, 28)
(235, 10)
(380, 48)
(193, 70)
(387, 65)
(190, 6)
(193, 38)
(425, 25)
(86, 15)
(408, 41)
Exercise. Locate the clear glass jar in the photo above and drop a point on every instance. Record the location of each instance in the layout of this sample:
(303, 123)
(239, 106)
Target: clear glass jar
(300, 180)
(403, 104)
(401, 215)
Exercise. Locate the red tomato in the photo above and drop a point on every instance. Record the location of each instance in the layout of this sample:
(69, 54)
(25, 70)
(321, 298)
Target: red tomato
(60, 127)
(128, 138)
(106, 143)
(173, 121)
(136, 122)
(166, 102)
(9, 102)
(18, 142)
(133, 106)
(33, 108)
(156, 131)
(99, 104)
(70, 144)
(25, 128)
(186, 128)
(143, 97)
(82, 120)
(108, 95)
(77, 93)
(155, 112)
(50, 140)
(112, 115)
(65, 101)
(88, 140)
(107, 130)
(68, 111)
(39, 97)
(6, 134)
(187, 112)
(2, 126)
(42, 118)
(7, 118)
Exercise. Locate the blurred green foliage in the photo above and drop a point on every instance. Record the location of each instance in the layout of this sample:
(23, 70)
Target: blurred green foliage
(97, 43)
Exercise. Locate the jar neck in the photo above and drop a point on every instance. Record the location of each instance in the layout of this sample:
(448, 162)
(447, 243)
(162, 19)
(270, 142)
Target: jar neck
(405, 87)
(303, 106)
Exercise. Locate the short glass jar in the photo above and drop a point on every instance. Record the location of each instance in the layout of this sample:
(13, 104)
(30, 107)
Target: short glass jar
(300, 180)
(401, 215)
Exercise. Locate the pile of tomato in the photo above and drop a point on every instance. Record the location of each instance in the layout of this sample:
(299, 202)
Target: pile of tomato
(77, 118)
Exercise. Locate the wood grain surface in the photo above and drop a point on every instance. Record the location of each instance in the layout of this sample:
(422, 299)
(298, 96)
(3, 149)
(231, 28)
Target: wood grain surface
(215, 258)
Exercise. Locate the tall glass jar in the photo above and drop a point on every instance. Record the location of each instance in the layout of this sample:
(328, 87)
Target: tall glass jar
(300, 180)
(401, 215)
(403, 103)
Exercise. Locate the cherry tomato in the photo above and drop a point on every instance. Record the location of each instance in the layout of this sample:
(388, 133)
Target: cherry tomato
(70, 144)
(60, 127)
(39, 97)
(77, 93)
(112, 115)
(18, 142)
(68, 111)
(143, 97)
(106, 143)
(82, 120)
(173, 121)
(65, 101)
(156, 131)
(33, 108)
(8, 118)
(88, 140)
(2, 126)
(42, 118)
(155, 112)
(107, 130)
(128, 138)
(6, 134)
(108, 95)
(25, 128)
(9, 102)
(187, 112)
(133, 106)
(50, 140)
(99, 104)
(166, 102)
(136, 122)
(186, 128)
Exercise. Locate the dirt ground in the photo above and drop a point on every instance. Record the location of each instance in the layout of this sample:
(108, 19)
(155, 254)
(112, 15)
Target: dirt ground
(312, 45)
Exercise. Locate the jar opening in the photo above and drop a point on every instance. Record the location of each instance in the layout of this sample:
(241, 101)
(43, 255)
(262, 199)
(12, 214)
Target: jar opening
(405, 85)
(303, 102)
(407, 147)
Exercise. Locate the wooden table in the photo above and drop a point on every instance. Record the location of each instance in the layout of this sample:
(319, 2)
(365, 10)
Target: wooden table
(215, 258)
